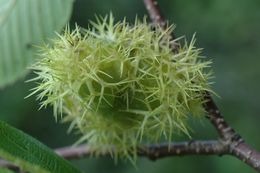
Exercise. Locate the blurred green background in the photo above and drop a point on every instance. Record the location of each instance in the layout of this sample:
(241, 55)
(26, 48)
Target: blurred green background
(228, 30)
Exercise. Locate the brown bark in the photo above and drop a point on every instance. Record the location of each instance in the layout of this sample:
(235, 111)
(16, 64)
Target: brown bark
(229, 137)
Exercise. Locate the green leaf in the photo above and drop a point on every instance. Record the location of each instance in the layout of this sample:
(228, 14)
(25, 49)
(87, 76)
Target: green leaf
(29, 154)
(6, 7)
(24, 24)
(4, 170)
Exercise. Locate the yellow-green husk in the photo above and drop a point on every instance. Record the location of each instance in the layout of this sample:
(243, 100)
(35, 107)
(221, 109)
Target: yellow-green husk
(122, 85)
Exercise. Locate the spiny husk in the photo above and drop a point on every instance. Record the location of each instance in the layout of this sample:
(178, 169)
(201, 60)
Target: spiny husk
(122, 85)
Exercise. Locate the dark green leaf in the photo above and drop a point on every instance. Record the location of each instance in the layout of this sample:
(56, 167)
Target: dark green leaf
(29, 154)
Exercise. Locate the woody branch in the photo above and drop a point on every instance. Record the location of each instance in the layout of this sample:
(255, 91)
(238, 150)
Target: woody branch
(232, 140)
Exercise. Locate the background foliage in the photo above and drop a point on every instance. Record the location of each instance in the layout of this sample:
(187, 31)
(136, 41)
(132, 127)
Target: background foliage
(228, 30)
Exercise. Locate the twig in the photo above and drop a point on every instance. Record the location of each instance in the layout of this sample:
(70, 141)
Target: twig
(152, 152)
(155, 14)
(237, 146)
(156, 151)
(208, 147)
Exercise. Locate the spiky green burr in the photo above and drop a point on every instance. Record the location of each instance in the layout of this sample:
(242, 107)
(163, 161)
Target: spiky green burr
(122, 85)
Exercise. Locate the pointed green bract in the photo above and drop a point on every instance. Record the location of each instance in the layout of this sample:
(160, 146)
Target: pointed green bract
(121, 84)
(29, 154)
